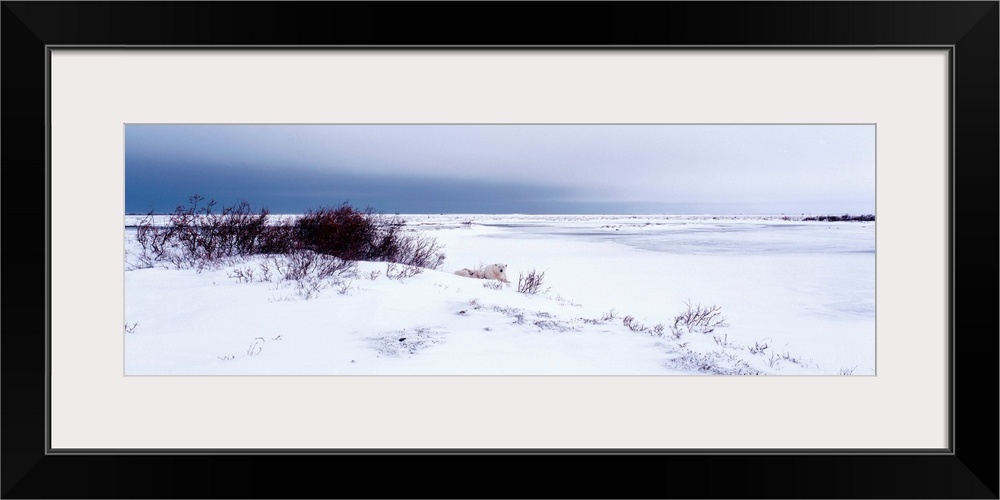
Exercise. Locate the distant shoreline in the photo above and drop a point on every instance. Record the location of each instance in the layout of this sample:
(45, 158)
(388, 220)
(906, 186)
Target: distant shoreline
(803, 217)
(131, 220)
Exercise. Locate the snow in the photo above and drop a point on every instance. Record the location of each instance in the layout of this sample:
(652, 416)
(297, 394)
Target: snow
(805, 289)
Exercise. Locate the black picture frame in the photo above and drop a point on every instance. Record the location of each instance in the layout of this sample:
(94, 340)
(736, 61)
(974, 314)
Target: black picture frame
(970, 29)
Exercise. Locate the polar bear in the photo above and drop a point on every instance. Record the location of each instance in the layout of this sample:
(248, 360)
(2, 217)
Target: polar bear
(495, 272)
(468, 273)
(490, 272)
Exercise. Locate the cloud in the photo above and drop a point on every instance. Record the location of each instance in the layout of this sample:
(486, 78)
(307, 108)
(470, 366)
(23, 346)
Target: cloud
(454, 167)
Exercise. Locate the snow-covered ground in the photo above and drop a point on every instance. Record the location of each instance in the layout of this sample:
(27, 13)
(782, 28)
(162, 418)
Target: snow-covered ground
(798, 298)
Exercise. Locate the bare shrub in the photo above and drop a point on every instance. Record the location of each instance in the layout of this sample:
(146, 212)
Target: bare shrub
(493, 285)
(205, 234)
(607, 317)
(277, 238)
(418, 250)
(555, 325)
(308, 288)
(265, 271)
(311, 272)
(395, 271)
(757, 348)
(141, 260)
(773, 360)
(343, 232)
(785, 356)
(236, 230)
(152, 239)
(353, 234)
(199, 235)
(256, 346)
(304, 264)
(530, 284)
(243, 275)
(632, 324)
(697, 319)
(714, 362)
(722, 341)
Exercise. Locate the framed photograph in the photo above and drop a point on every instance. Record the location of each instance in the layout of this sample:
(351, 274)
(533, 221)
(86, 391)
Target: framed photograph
(731, 248)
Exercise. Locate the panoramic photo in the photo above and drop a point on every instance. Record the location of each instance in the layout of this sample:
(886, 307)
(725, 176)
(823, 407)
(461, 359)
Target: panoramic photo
(523, 249)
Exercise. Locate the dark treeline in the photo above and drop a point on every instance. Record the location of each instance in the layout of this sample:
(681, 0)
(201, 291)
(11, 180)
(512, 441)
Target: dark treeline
(845, 217)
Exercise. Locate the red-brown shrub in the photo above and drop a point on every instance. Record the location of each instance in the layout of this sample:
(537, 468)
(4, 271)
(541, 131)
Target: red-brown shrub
(196, 235)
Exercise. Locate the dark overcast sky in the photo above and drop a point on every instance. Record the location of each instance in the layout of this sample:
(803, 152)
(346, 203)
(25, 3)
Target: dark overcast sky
(722, 169)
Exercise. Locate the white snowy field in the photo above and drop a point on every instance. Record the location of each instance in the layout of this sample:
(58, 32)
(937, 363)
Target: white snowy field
(798, 298)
